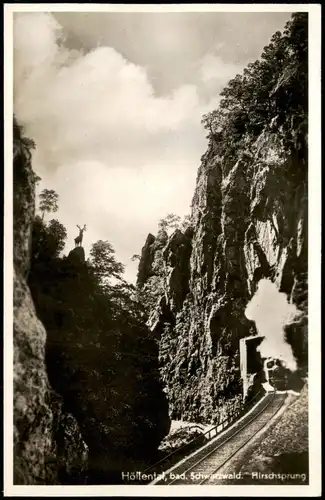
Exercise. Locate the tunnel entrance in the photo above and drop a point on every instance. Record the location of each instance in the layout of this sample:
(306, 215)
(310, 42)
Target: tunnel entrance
(255, 370)
(268, 373)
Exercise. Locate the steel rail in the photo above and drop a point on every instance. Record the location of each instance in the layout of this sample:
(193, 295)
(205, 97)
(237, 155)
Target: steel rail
(241, 428)
(205, 480)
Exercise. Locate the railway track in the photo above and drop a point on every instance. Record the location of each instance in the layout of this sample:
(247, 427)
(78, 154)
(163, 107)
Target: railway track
(203, 466)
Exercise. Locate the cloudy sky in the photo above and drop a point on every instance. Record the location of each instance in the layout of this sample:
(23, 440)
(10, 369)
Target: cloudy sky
(114, 103)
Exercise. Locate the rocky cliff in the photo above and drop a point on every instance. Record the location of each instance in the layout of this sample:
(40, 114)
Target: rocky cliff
(48, 447)
(249, 221)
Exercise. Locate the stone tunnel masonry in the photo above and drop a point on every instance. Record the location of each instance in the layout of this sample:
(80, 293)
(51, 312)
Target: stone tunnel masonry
(251, 361)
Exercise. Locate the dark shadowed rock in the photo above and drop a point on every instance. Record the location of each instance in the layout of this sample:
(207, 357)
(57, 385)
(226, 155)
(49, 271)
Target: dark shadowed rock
(177, 258)
(77, 255)
(23, 202)
(104, 363)
(39, 419)
(146, 260)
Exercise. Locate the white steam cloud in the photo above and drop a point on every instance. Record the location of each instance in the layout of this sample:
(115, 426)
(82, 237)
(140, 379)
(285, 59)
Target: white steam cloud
(271, 312)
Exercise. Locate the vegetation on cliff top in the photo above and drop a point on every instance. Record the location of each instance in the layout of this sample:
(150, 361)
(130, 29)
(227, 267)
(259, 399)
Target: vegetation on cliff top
(266, 90)
(270, 94)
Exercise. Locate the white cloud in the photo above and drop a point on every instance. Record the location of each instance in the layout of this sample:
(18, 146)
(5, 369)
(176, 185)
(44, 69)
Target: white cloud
(118, 156)
(95, 104)
(214, 69)
(170, 45)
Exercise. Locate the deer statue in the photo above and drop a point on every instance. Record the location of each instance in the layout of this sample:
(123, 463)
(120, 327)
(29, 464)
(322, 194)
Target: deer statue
(78, 239)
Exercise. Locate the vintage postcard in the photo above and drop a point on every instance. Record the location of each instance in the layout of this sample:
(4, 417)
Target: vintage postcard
(162, 250)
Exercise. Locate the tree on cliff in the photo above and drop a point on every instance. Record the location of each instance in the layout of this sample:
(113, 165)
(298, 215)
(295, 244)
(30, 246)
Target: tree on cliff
(103, 262)
(48, 201)
(108, 273)
(48, 238)
(172, 221)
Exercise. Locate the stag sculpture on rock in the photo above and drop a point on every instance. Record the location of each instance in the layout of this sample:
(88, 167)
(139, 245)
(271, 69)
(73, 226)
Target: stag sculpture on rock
(78, 239)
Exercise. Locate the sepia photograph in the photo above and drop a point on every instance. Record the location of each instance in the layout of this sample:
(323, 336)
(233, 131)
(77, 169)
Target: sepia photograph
(162, 250)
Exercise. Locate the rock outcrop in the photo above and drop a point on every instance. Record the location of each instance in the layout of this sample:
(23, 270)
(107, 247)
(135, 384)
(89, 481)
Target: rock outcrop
(77, 255)
(48, 447)
(249, 221)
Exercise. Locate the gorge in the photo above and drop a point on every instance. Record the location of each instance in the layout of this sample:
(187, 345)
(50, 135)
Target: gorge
(98, 377)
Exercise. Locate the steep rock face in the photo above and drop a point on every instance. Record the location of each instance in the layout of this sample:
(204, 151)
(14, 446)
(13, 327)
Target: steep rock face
(249, 221)
(277, 237)
(146, 259)
(199, 346)
(176, 257)
(40, 423)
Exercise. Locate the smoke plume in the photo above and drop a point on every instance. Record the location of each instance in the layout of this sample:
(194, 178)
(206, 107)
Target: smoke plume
(271, 312)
